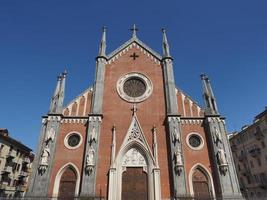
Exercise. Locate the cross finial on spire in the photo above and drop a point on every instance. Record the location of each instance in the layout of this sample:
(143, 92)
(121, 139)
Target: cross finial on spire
(134, 30)
(134, 109)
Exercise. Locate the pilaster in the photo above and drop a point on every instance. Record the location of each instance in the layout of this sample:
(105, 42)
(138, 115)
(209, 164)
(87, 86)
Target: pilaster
(226, 182)
(44, 158)
(91, 156)
(176, 157)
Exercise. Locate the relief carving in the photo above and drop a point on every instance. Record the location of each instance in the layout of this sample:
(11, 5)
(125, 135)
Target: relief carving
(176, 136)
(222, 162)
(43, 165)
(93, 136)
(217, 136)
(90, 161)
(178, 161)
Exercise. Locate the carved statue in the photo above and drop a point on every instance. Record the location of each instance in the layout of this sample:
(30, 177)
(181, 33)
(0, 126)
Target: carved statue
(50, 135)
(221, 157)
(222, 162)
(176, 136)
(90, 163)
(44, 160)
(217, 135)
(93, 135)
(178, 161)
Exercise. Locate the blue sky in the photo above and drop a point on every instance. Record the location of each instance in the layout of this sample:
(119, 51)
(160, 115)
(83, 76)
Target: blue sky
(39, 39)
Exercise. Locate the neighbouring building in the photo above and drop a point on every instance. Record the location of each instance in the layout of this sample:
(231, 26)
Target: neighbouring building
(134, 134)
(15, 166)
(249, 148)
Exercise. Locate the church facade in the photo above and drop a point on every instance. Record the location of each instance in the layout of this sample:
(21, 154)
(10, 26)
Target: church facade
(133, 135)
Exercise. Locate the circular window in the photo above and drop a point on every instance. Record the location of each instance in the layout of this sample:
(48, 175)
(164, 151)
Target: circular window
(134, 87)
(195, 141)
(73, 140)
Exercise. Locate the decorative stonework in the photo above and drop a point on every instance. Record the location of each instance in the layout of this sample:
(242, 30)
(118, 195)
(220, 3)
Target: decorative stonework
(46, 154)
(90, 161)
(134, 44)
(134, 87)
(222, 161)
(135, 133)
(133, 158)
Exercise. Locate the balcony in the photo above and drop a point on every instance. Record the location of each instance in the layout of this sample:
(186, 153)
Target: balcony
(7, 169)
(3, 186)
(27, 160)
(12, 154)
(23, 174)
(255, 152)
(21, 188)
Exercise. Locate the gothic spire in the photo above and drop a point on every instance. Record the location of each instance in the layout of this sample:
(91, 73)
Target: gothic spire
(134, 30)
(58, 97)
(165, 45)
(102, 49)
(209, 98)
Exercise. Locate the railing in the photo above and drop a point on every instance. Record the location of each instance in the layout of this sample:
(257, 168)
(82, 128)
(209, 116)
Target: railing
(23, 173)
(8, 169)
(26, 160)
(21, 187)
(3, 186)
(12, 154)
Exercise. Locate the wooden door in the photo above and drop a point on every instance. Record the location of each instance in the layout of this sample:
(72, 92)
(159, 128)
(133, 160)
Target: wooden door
(67, 184)
(134, 184)
(201, 185)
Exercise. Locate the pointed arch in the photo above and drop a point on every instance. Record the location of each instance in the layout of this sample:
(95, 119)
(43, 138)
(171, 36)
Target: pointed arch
(207, 174)
(134, 141)
(59, 175)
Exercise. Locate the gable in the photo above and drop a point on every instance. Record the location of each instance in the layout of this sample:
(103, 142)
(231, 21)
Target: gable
(134, 42)
(81, 105)
(187, 107)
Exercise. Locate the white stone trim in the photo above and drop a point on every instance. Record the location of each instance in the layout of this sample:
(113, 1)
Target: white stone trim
(117, 168)
(144, 78)
(67, 137)
(58, 177)
(183, 98)
(200, 147)
(208, 174)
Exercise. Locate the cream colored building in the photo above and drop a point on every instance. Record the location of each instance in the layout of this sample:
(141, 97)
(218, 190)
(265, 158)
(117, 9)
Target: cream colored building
(249, 148)
(15, 166)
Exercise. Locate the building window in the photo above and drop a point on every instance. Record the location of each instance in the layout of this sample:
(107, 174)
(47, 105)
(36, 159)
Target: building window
(251, 164)
(195, 141)
(259, 161)
(73, 140)
(256, 178)
(238, 167)
(134, 87)
(18, 166)
(263, 144)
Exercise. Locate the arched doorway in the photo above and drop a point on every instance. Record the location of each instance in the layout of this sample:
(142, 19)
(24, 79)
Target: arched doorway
(67, 184)
(201, 185)
(134, 184)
